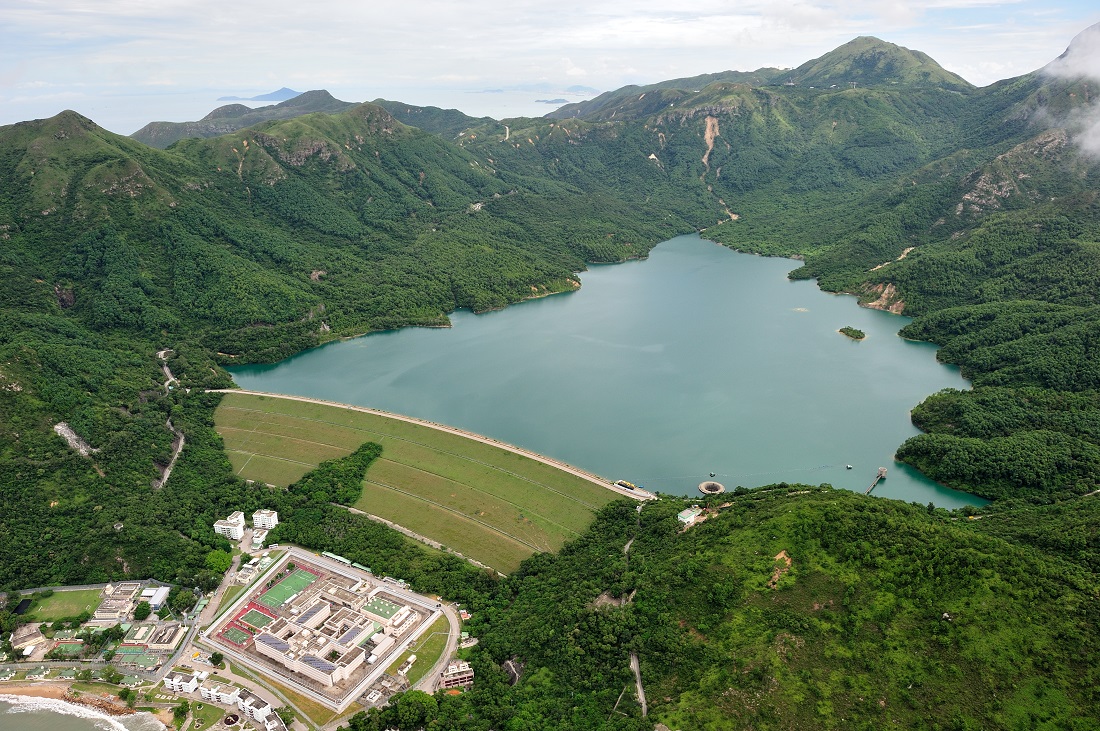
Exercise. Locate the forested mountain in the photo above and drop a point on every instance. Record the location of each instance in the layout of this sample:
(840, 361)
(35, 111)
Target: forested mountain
(232, 117)
(790, 607)
(973, 210)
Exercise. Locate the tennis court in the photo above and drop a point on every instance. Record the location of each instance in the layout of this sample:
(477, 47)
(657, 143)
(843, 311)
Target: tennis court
(256, 618)
(382, 608)
(236, 636)
(277, 595)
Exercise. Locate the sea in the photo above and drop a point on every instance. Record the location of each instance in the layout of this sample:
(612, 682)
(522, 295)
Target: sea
(24, 713)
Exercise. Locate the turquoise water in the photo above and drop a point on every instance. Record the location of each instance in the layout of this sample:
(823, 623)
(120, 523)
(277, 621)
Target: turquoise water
(697, 360)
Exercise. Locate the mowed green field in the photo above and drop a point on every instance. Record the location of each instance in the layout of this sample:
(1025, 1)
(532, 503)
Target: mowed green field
(67, 604)
(488, 503)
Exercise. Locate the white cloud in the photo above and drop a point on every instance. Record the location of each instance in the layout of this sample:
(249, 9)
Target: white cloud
(207, 48)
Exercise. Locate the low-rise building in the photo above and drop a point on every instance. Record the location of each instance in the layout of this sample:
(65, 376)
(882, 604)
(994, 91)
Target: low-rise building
(689, 516)
(26, 636)
(113, 610)
(232, 527)
(219, 693)
(265, 519)
(458, 674)
(156, 596)
(183, 682)
(259, 710)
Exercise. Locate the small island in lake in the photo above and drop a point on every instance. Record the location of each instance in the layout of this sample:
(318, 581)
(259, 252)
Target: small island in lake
(851, 332)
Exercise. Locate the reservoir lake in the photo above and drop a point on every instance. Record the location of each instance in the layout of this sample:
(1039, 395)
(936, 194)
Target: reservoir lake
(696, 360)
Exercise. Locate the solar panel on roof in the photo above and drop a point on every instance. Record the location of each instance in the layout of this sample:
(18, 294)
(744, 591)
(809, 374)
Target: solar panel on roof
(317, 663)
(273, 642)
(312, 612)
(349, 635)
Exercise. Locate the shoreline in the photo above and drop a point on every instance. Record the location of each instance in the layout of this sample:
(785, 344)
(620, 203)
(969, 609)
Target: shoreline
(60, 691)
(640, 495)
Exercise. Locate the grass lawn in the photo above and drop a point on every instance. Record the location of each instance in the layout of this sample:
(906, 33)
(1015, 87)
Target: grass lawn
(206, 716)
(486, 502)
(67, 604)
(427, 650)
(231, 593)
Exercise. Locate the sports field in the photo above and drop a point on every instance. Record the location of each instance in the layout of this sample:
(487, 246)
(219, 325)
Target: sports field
(256, 618)
(486, 502)
(64, 604)
(236, 636)
(277, 595)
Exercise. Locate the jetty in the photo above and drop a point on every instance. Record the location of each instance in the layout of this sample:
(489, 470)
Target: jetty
(880, 476)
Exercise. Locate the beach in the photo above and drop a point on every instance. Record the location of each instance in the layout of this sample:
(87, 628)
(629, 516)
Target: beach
(53, 694)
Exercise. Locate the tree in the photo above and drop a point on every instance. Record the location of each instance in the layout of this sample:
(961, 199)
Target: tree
(180, 712)
(216, 659)
(218, 561)
(415, 709)
(142, 611)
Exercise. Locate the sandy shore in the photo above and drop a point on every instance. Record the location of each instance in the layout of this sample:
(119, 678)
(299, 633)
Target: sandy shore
(38, 690)
(57, 690)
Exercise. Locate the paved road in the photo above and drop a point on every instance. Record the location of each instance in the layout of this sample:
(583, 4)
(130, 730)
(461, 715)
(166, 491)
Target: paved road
(427, 683)
(563, 466)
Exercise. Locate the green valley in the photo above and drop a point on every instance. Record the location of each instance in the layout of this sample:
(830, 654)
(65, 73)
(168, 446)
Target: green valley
(973, 210)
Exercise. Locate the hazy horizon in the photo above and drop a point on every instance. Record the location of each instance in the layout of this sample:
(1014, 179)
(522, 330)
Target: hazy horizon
(124, 63)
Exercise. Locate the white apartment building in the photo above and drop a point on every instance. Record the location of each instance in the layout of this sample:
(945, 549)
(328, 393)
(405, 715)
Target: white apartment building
(181, 683)
(265, 519)
(232, 527)
(225, 694)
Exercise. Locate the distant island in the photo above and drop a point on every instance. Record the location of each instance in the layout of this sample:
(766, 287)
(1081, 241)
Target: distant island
(852, 332)
(275, 96)
(551, 101)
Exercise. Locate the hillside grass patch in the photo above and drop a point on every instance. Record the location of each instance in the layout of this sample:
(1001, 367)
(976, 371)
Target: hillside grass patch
(483, 501)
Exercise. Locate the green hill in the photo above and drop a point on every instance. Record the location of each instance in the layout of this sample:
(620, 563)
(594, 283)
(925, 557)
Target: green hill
(868, 61)
(231, 117)
(790, 607)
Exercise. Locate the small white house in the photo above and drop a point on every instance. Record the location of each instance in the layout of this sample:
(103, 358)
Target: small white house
(689, 516)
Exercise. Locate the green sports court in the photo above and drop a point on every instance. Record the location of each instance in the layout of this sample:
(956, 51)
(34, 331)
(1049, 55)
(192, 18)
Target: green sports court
(277, 595)
(255, 618)
(236, 636)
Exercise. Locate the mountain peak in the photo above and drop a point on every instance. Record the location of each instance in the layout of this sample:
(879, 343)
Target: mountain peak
(870, 61)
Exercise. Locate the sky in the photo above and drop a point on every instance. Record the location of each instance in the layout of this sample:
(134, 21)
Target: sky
(124, 63)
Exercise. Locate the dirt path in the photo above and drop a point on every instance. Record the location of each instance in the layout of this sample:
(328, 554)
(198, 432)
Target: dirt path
(179, 440)
(563, 466)
(636, 667)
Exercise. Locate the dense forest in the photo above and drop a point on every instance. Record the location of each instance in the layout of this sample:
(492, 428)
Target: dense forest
(974, 211)
(791, 606)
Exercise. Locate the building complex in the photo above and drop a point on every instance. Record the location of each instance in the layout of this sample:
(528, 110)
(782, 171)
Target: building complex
(326, 627)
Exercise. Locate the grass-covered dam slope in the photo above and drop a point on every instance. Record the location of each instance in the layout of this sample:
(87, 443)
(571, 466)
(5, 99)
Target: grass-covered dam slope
(488, 503)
